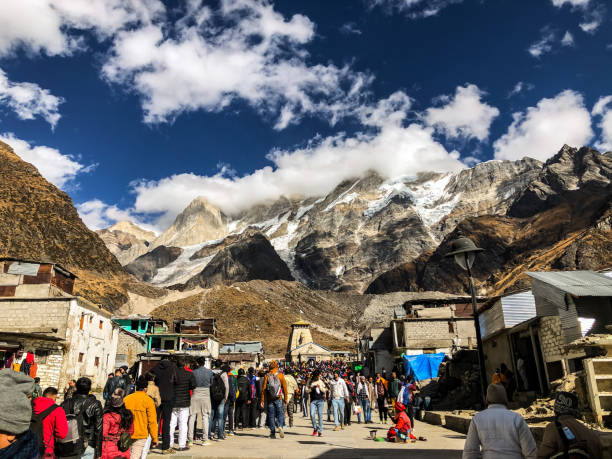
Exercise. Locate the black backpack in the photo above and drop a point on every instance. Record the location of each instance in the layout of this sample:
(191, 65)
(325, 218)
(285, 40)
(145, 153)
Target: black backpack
(243, 388)
(217, 389)
(74, 443)
(36, 426)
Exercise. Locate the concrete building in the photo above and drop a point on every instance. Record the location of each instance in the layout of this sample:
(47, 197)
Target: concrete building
(300, 346)
(69, 336)
(422, 325)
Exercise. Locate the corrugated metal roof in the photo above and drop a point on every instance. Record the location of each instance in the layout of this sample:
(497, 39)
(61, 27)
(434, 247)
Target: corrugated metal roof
(578, 283)
(518, 308)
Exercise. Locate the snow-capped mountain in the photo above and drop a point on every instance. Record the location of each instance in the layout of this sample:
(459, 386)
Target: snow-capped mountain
(343, 240)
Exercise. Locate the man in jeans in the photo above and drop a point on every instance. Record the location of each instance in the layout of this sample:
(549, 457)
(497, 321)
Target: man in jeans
(339, 395)
(218, 409)
(200, 401)
(274, 398)
(363, 396)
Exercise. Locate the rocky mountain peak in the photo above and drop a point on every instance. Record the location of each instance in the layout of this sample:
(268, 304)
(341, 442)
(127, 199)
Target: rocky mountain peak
(199, 222)
(571, 170)
(126, 226)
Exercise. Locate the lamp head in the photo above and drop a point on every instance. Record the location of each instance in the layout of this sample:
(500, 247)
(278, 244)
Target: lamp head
(464, 251)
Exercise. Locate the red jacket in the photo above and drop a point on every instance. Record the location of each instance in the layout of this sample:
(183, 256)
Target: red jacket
(54, 425)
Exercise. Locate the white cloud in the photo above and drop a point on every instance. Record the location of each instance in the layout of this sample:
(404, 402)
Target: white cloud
(463, 115)
(414, 9)
(97, 215)
(593, 12)
(350, 28)
(244, 50)
(568, 39)
(602, 109)
(57, 168)
(519, 87)
(544, 44)
(541, 131)
(52, 26)
(388, 144)
(560, 3)
(29, 100)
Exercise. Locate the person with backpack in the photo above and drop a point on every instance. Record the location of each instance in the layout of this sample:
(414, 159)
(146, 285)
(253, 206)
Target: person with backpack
(165, 378)
(17, 441)
(229, 409)
(243, 398)
(185, 383)
(566, 436)
(84, 416)
(118, 428)
(48, 422)
(219, 391)
(498, 432)
(274, 398)
(145, 419)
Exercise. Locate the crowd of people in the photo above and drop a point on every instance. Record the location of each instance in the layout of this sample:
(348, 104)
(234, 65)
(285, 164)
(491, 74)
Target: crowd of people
(137, 415)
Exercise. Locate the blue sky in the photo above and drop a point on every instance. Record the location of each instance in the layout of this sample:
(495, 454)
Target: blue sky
(135, 108)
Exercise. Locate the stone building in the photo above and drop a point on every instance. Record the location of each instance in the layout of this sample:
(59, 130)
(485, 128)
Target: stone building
(242, 353)
(301, 347)
(69, 336)
(540, 325)
(129, 346)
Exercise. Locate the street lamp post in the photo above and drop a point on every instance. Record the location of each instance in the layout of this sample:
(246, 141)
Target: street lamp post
(464, 251)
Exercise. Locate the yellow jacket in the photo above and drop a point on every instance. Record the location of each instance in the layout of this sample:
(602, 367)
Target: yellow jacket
(145, 418)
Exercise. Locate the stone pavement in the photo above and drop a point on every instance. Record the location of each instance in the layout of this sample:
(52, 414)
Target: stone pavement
(352, 443)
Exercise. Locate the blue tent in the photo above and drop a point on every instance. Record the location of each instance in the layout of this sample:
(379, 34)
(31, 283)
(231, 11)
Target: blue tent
(422, 366)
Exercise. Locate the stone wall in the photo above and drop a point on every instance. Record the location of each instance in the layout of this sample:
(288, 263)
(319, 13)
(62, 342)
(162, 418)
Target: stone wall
(129, 347)
(26, 315)
(551, 337)
(437, 333)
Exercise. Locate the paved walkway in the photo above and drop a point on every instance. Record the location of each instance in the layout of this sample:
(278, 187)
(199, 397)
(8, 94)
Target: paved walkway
(352, 443)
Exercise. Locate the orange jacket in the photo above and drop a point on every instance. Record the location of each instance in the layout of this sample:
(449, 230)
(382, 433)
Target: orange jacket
(281, 378)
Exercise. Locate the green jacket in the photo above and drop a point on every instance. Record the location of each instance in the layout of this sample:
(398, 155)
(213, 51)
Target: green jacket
(394, 388)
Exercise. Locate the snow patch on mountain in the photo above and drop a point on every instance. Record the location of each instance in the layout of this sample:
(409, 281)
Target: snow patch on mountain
(344, 197)
(429, 199)
(182, 269)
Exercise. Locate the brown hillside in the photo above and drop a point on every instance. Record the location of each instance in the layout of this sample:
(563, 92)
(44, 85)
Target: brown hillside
(264, 310)
(39, 222)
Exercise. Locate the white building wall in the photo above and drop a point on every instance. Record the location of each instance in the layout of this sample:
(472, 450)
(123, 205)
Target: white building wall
(92, 348)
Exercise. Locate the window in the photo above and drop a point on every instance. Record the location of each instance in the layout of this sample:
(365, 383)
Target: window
(81, 355)
(451, 326)
(134, 325)
(101, 324)
(82, 321)
(97, 362)
(155, 343)
(168, 344)
(90, 319)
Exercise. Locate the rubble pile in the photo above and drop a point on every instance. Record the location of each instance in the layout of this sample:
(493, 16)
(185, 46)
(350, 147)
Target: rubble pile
(458, 383)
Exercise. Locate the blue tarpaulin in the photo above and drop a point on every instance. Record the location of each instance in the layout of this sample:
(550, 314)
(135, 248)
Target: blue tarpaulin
(422, 366)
